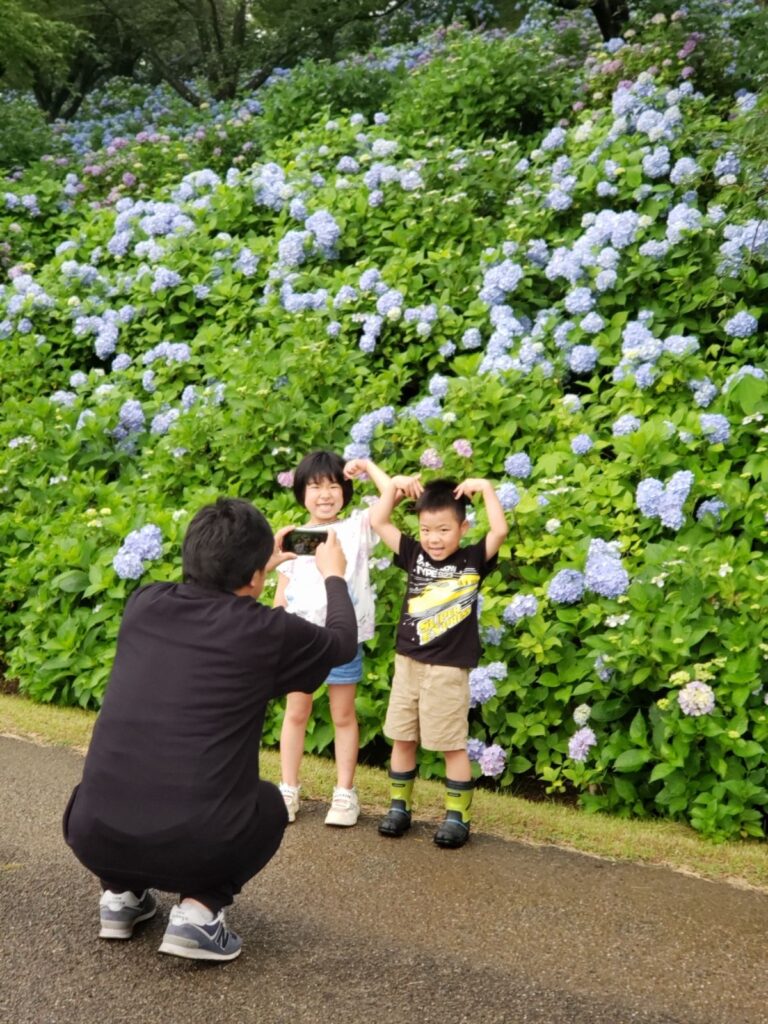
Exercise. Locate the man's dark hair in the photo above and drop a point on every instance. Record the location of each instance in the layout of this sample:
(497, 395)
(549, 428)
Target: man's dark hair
(225, 544)
(321, 465)
(437, 495)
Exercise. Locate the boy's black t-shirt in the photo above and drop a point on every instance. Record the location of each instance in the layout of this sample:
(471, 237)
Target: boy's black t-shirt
(438, 621)
(170, 781)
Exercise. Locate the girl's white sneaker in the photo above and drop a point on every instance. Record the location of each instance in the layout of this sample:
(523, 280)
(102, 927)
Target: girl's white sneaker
(345, 808)
(290, 795)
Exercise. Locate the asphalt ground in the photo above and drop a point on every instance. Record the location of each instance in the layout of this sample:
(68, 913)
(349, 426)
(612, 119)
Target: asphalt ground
(348, 927)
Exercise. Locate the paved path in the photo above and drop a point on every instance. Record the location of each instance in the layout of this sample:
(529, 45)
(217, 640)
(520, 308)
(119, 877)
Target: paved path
(345, 927)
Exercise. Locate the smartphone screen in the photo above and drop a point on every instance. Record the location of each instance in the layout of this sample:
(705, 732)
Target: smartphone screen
(304, 542)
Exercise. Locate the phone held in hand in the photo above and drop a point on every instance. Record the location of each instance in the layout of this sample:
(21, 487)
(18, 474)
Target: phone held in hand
(304, 542)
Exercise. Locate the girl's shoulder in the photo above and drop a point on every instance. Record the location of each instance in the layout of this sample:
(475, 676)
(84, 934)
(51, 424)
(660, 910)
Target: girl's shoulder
(357, 519)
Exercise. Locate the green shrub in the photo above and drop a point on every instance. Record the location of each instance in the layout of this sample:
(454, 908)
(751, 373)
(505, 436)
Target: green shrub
(434, 232)
(25, 135)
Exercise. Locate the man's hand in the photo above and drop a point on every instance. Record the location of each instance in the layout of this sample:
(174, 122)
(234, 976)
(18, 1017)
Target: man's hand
(279, 556)
(329, 557)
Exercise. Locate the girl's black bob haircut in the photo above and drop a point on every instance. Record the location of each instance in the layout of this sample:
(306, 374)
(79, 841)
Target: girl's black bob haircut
(321, 465)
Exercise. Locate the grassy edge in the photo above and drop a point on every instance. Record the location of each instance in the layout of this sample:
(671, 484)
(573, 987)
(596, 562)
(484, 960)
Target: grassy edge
(658, 843)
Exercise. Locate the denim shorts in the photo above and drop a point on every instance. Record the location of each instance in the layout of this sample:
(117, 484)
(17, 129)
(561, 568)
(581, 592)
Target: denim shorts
(352, 672)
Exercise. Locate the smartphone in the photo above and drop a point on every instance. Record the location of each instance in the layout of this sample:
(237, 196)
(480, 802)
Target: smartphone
(302, 541)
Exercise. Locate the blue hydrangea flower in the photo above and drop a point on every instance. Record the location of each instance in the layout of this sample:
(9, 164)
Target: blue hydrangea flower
(558, 200)
(579, 300)
(492, 761)
(163, 421)
(188, 397)
(499, 280)
(64, 398)
(626, 424)
(554, 139)
(648, 496)
(566, 587)
(471, 338)
(364, 429)
(681, 345)
(704, 392)
(508, 495)
(347, 165)
(655, 249)
(674, 496)
(726, 165)
(696, 699)
(170, 351)
(164, 278)
(681, 220)
(716, 428)
(684, 171)
(475, 749)
(325, 230)
(121, 362)
(604, 672)
(292, 248)
(521, 606)
(582, 358)
(140, 546)
(604, 573)
(481, 687)
(389, 301)
(592, 323)
(518, 465)
(656, 163)
(730, 380)
(438, 386)
(131, 419)
(492, 635)
(710, 507)
(581, 444)
(645, 375)
(246, 262)
(580, 744)
(742, 325)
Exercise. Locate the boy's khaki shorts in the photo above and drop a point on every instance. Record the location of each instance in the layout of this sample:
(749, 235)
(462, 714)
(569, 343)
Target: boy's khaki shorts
(428, 704)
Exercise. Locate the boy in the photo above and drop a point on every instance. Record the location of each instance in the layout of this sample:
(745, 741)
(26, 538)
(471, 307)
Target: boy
(437, 641)
(171, 797)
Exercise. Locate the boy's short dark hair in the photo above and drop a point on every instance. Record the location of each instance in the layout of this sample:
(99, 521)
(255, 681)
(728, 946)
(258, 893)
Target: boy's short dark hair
(437, 495)
(225, 544)
(321, 465)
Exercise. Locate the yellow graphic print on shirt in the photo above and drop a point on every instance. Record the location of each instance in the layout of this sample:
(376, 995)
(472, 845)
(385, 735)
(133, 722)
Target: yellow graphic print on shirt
(443, 604)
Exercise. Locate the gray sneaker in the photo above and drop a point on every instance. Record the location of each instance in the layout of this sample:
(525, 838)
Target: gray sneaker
(212, 941)
(121, 911)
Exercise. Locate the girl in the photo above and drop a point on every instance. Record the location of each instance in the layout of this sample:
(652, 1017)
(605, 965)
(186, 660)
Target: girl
(322, 483)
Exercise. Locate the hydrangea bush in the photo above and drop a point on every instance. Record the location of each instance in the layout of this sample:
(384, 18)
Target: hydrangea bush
(568, 301)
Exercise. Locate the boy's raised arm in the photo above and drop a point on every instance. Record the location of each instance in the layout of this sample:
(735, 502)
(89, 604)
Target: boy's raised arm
(497, 521)
(381, 513)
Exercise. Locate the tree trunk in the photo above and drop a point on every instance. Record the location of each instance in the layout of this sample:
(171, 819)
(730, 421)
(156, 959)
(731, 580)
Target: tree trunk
(611, 17)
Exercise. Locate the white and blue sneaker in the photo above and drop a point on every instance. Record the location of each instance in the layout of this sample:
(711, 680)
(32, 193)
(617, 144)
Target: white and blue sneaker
(120, 912)
(185, 937)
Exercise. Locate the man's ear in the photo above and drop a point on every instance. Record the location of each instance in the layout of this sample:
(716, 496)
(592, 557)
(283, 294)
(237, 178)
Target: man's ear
(464, 527)
(257, 582)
